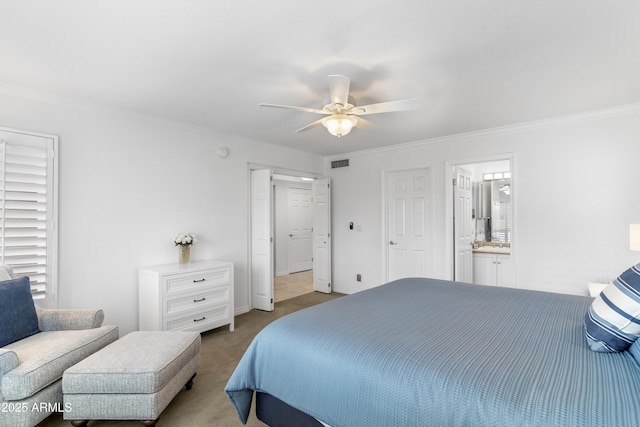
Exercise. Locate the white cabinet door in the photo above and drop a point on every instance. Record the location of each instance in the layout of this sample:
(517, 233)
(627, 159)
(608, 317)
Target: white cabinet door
(504, 271)
(484, 269)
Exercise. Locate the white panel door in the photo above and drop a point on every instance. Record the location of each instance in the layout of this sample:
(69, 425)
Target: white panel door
(407, 212)
(299, 246)
(261, 240)
(463, 226)
(321, 235)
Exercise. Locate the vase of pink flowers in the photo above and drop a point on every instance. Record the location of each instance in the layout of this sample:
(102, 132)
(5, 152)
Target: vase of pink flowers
(184, 241)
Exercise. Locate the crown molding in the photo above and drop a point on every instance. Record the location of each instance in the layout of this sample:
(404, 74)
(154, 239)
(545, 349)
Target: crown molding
(76, 104)
(503, 130)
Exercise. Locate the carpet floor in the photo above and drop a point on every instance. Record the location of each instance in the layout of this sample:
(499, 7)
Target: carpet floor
(206, 404)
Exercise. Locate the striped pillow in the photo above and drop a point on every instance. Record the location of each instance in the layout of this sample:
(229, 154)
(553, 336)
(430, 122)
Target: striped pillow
(613, 321)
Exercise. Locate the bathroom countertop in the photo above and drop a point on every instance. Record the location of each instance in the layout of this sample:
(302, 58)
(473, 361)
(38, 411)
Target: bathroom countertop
(493, 250)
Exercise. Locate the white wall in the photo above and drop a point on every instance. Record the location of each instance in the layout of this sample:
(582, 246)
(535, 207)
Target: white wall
(128, 185)
(575, 186)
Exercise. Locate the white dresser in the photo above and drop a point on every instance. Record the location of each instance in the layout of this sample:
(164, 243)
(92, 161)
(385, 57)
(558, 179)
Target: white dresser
(197, 296)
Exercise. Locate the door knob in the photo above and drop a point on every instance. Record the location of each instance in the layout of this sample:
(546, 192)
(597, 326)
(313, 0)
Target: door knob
(391, 242)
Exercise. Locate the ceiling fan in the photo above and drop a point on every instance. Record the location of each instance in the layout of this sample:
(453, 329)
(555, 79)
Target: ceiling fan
(340, 110)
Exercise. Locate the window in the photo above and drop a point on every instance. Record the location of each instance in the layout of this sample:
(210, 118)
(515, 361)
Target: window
(28, 200)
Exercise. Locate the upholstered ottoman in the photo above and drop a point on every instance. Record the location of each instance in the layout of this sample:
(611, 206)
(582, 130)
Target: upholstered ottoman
(133, 378)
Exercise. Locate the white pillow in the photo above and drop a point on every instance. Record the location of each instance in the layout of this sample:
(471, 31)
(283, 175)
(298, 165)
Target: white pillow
(596, 288)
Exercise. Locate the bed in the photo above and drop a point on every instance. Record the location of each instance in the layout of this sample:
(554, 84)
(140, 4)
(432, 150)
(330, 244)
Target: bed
(420, 352)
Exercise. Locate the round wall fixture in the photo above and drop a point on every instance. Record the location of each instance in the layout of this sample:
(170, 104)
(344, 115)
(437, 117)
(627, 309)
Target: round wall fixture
(223, 152)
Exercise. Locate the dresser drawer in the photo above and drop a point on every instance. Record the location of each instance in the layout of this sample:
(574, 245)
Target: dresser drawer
(199, 321)
(196, 300)
(192, 281)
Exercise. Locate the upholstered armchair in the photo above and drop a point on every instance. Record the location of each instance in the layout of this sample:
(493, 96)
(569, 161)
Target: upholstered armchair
(36, 346)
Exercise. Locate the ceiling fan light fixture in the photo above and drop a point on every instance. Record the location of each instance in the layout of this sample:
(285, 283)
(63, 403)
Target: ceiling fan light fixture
(339, 124)
(341, 113)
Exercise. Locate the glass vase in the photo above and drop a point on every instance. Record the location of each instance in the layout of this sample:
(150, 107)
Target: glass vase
(184, 254)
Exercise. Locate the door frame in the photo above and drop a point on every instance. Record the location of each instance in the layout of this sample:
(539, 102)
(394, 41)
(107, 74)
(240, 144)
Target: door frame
(385, 173)
(448, 207)
(275, 170)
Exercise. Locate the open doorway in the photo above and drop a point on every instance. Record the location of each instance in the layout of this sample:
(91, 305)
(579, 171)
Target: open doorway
(262, 263)
(483, 222)
(293, 237)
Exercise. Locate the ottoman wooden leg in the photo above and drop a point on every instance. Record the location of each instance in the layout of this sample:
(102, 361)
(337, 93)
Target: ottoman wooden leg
(189, 383)
(79, 423)
(150, 423)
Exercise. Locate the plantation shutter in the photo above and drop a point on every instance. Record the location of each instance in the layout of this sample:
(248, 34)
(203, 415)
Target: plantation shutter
(27, 215)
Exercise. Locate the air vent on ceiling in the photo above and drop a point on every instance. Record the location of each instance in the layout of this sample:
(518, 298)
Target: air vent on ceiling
(339, 163)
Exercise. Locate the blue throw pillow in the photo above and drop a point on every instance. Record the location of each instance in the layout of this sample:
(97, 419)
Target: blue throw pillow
(612, 323)
(18, 318)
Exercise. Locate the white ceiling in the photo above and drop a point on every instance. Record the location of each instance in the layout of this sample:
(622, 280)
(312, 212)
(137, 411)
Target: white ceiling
(475, 64)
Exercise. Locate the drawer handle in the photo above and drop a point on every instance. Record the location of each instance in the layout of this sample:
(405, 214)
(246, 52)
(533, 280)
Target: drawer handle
(199, 300)
(199, 320)
(199, 280)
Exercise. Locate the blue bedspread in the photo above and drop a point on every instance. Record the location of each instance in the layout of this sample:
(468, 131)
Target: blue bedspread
(422, 352)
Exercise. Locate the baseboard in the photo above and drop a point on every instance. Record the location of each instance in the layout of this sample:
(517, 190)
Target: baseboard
(241, 310)
(343, 291)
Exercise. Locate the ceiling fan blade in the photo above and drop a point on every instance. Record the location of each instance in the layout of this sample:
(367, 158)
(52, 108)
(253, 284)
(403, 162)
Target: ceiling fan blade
(339, 89)
(310, 126)
(364, 123)
(287, 107)
(387, 107)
